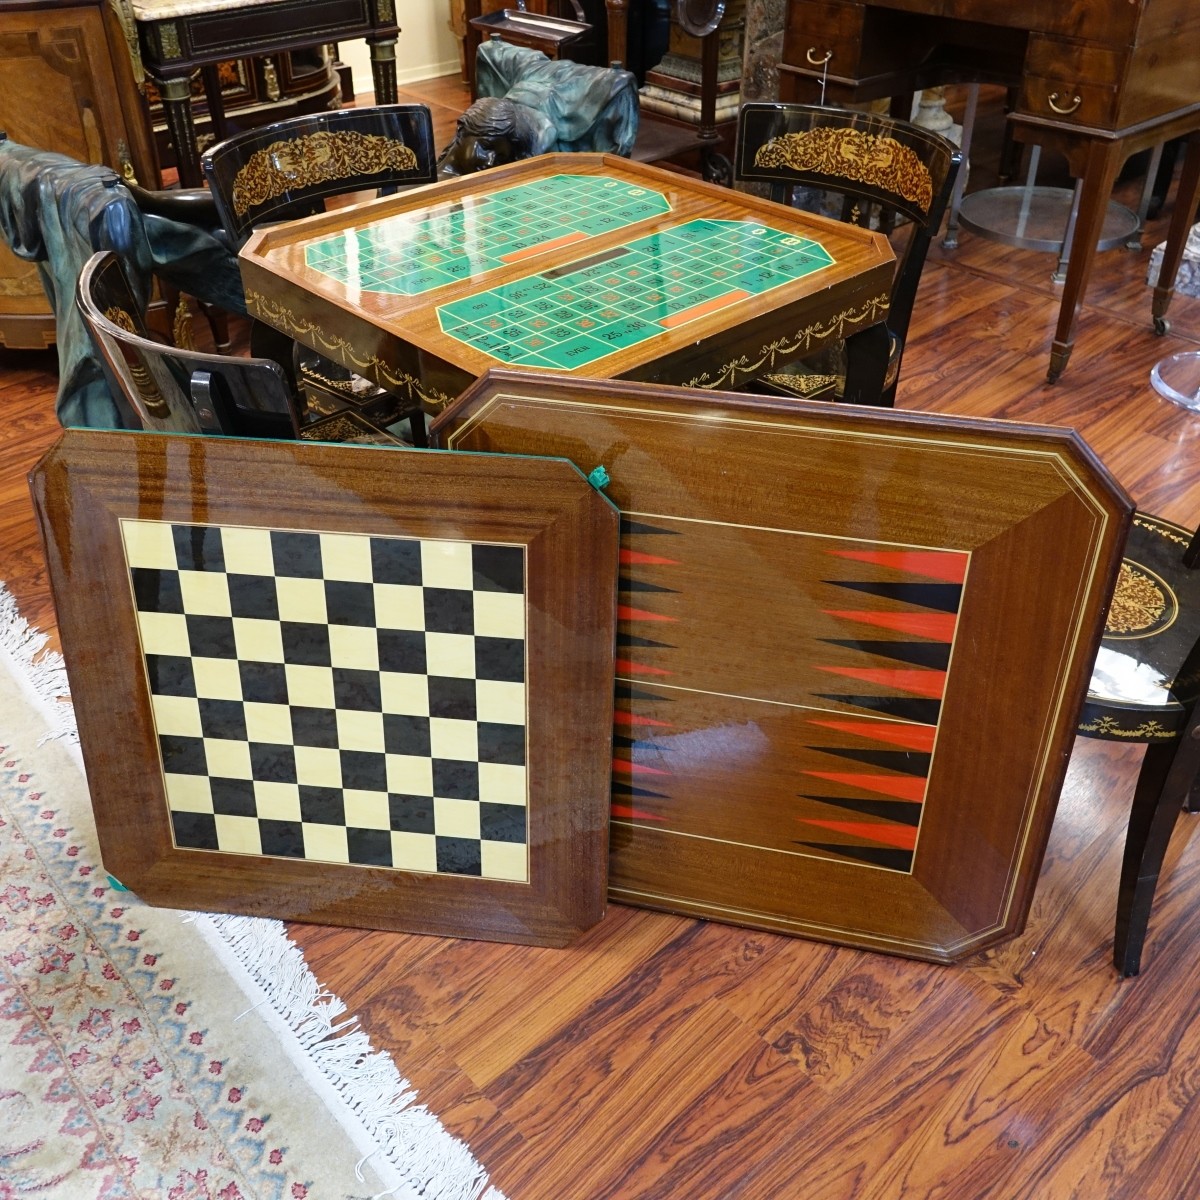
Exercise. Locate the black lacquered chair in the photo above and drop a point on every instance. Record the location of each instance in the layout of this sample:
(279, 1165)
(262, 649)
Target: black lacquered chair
(871, 164)
(1144, 689)
(289, 169)
(184, 390)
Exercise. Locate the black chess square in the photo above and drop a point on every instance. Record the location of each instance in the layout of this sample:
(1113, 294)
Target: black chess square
(396, 560)
(322, 805)
(170, 675)
(272, 763)
(182, 755)
(233, 797)
(411, 814)
(449, 610)
(297, 555)
(349, 603)
(455, 779)
(314, 727)
(406, 735)
(500, 659)
(194, 831)
(501, 743)
(253, 596)
(498, 568)
(364, 771)
(156, 591)
(198, 547)
(211, 637)
(282, 838)
(502, 822)
(459, 856)
(263, 683)
(356, 689)
(369, 847)
(223, 719)
(402, 650)
(451, 697)
(305, 644)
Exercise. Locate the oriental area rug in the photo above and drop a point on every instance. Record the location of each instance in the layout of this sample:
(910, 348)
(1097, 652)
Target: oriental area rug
(153, 1054)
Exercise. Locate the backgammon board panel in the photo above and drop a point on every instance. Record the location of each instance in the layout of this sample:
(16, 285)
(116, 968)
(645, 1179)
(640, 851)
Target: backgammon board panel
(852, 645)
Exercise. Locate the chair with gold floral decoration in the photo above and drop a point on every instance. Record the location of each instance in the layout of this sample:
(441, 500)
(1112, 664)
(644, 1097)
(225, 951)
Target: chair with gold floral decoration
(869, 163)
(1144, 688)
(289, 169)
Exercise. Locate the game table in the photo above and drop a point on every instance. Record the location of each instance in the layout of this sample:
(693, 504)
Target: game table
(581, 263)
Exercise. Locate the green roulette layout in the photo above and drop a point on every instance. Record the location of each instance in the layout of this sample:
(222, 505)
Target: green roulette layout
(576, 314)
(410, 254)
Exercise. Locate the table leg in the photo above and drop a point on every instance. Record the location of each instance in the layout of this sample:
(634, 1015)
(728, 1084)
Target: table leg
(618, 31)
(1177, 234)
(1099, 174)
(383, 69)
(471, 40)
(866, 366)
(177, 108)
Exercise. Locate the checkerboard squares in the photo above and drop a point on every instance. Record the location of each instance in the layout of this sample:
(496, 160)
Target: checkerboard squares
(367, 810)
(217, 678)
(301, 600)
(228, 759)
(163, 633)
(318, 766)
(325, 843)
(502, 783)
(401, 692)
(358, 730)
(311, 687)
(346, 557)
(205, 593)
(277, 801)
(399, 606)
(247, 551)
(500, 615)
(415, 851)
(149, 544)
(254, 640)
(177, 715)
(238, 835)
(456, 818)
(188, 793)
(447, 565)
(267, 723)
(450, 654)
(500, 701)
(409, 774)
(354, 647)
(504, 860)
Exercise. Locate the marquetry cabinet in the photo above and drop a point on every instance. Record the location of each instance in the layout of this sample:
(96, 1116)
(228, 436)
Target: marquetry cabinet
(66, 84)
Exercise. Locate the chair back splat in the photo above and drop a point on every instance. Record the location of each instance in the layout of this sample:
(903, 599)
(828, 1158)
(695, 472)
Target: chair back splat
(175, 389)
(287, 170)
(873, 163)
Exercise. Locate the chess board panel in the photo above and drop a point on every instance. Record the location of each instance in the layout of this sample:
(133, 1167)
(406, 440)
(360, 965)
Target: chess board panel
(851, 647)
(337, 697)
(578, 313)
(414, 253)
(351, 685)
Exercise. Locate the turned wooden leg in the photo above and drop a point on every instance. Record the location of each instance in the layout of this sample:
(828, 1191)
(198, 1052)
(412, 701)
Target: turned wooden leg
(177, 108)
(1168, 772)
(618, 31)
(383, 69)
(1099, 175)
(1177, 234)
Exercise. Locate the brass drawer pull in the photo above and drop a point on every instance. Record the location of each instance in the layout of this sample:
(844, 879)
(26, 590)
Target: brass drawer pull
(816, 60)
(1075, 102)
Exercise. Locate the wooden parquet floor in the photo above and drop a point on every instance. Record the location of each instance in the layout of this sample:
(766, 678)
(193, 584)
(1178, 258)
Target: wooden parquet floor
(661, 1058)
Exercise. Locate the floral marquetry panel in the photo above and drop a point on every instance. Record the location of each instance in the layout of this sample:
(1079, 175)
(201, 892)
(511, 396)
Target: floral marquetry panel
(362, 702)
(852, 648)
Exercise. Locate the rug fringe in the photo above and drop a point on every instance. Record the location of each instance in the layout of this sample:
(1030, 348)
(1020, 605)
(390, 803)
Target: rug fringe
(423, 1155)
(39, 670)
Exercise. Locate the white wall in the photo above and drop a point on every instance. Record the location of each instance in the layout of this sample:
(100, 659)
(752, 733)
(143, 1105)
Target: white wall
(427, 46)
